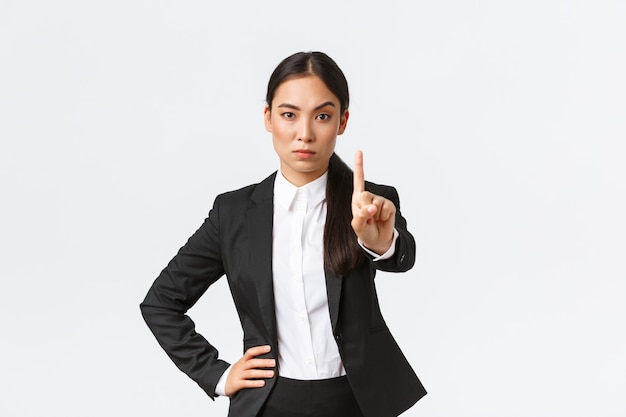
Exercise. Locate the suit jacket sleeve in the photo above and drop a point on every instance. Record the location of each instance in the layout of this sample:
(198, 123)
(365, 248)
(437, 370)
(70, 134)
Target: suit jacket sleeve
(196, 266)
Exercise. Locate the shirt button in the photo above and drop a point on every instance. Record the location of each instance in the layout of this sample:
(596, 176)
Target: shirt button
(309, 360)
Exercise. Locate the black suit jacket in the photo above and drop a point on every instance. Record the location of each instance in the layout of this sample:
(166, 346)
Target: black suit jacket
(236, 240)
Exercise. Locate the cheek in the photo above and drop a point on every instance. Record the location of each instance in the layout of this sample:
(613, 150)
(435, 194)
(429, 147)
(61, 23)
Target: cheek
(329, 132)
(280, 130)
(280, 137)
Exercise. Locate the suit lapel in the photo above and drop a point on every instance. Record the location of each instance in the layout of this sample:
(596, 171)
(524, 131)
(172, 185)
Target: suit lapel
(333, 290)
(260, 220)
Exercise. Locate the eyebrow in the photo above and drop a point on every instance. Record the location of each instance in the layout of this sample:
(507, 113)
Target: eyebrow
(294, 107)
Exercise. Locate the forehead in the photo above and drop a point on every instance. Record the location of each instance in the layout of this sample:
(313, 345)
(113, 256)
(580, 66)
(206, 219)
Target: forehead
(304, 90)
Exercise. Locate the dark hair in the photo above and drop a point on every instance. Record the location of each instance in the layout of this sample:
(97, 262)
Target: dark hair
(342, 253)
(310, 63)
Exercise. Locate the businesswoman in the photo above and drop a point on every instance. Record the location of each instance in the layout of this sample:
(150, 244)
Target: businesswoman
(300, 250)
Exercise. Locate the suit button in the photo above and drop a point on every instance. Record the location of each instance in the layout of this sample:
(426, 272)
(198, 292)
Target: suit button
(338, 338)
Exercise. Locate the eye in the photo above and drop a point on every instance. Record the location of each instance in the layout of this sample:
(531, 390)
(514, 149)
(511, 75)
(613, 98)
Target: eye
(323, 116)
(288, 115)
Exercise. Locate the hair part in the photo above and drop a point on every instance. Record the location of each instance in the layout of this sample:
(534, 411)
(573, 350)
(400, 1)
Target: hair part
(310, 63)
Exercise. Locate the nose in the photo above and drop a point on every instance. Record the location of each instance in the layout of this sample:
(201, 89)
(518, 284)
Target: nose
(305, 131)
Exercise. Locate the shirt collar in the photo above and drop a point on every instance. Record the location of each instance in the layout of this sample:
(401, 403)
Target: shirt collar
(285, 192)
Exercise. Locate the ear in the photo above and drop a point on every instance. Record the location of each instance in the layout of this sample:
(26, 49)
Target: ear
(267, 118)
(344, 122)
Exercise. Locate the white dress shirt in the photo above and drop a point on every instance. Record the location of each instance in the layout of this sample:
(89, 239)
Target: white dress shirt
(306, 346)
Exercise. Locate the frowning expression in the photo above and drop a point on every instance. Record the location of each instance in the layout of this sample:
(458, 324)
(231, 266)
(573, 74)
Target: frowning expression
(304, 120)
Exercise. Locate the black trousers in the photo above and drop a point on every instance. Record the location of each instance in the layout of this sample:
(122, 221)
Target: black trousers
(316, 398)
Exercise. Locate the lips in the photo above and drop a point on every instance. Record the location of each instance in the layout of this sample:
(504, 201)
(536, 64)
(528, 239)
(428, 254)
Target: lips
(304, 153)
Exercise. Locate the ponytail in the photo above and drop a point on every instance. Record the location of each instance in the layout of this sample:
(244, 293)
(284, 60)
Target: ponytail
(342, 253)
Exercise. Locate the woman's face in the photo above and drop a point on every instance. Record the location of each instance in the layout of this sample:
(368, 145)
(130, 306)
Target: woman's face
(304, 120)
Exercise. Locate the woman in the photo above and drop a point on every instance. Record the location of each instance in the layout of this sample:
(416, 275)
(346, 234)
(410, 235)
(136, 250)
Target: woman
(300, 251)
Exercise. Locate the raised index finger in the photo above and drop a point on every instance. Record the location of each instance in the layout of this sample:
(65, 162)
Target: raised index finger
(359, 176)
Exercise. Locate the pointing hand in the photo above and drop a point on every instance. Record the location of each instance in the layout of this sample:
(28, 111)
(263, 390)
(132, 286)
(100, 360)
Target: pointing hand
(373, 216)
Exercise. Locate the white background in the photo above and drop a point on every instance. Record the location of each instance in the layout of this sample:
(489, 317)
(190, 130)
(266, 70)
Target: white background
(501, 124)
